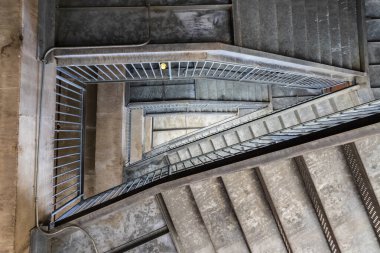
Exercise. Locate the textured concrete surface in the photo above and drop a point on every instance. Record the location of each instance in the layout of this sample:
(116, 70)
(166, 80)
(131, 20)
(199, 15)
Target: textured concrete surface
(10, 51)
(188, 221)
(109, 125)
(166, 128)
(253, 212)
(293, 207)
(114, 229)
(369, 150)
(341, 201)
(137, 135)
(162, 244)
(218, 216)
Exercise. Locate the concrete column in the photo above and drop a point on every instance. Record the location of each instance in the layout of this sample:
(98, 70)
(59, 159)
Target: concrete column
(109, 136)
(137, 128)
(10, 30)
(148, 132)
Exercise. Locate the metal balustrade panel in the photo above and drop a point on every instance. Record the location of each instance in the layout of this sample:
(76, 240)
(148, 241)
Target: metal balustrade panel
(194, 70)
(313, 126)
(68, 144)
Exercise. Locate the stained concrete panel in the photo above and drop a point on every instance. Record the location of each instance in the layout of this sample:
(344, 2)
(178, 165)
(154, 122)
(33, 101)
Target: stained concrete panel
(293, 206)
(162, 244)
(369, 150)
(253, 212)
(114, 229)
(109, 125)
(340, 199)
(218, 216)
(121, 26)
(188, 221)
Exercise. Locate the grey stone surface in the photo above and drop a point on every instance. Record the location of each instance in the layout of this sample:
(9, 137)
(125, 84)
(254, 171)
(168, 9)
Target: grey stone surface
(188, 221)
(374, 53)
(374, 75)
(293, 207)
(116, 3)
(218, 216)
(121, 26)
(369, 150)
(372, 8)
(341, 201)
(253, 212)
(114, 229)
(162, 244)
(373, 30)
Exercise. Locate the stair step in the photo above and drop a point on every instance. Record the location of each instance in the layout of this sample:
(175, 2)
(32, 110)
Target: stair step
(345, 29)
(372, 8)
(293, 207)
(374, 53)
(368, 149)
(268, 22)
(373, 30)
(285, 27)
(345, 211)
(324, 31)
(284, 119)
(218, 216)
(253, 212)
(314, 52)
(376, 92)
(187, 221)
(374, 75)
(336, 47)
(299, 29)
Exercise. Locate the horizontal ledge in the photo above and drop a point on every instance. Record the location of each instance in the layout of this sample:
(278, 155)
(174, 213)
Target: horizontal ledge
(152, 7)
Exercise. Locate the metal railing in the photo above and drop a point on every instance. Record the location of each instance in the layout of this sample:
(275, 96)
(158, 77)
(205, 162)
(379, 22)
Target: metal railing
(207, 159)
(173, 70)
(68, 145)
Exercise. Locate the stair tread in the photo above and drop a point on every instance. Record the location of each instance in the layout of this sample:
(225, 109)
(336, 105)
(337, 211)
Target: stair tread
(187, 220)
(268, 26)
(374, 53)
(368, 149)
(218, 216)
(337, 191)
(372, 8)
(299, 28)
(324, 31)
(373, 30)
(345, 30)
(374, 75)
(293, 206)
(284, 27)
(314, 50)
(253, 212)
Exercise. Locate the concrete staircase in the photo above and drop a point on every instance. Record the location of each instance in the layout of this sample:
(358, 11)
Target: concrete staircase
(373, 36)
(322, 201)
(322, 31)
(194, 149)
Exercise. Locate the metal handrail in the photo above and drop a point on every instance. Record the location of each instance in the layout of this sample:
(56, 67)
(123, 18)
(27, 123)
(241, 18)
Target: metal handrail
(140, 183)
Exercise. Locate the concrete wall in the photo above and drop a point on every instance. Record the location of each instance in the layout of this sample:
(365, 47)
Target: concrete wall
(109, 135)
(10, 30)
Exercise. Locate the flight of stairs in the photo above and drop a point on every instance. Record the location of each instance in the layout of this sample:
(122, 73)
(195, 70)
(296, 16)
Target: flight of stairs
(315, 202)
(183, 152)
(373, 36)
(323, 31)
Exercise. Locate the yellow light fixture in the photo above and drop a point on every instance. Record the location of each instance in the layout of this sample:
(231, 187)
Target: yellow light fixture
(163, 66)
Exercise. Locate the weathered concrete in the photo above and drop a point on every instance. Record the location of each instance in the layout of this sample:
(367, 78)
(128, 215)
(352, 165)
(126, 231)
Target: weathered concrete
(109, 125)
(253, 212)
(148, 132)
(293, 207)
(161, 244)
(137, 135)
(114, 229)
(218, 216)
(346, 213)
(188, 221)
(369, 150)
(166, 128)
(10, 31)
